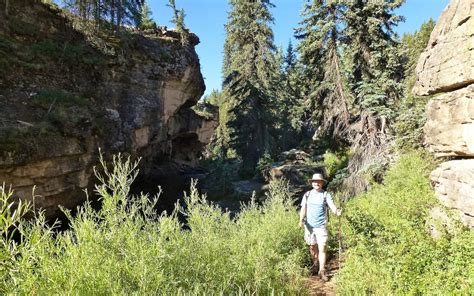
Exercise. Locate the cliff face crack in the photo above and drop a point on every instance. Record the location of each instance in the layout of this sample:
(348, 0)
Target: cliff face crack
(464, 20)
(453, 87)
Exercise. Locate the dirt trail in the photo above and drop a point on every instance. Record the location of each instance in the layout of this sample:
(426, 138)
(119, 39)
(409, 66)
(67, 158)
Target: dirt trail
(319, 287)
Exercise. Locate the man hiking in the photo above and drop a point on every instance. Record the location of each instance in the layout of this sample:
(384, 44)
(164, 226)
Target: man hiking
(313, 219)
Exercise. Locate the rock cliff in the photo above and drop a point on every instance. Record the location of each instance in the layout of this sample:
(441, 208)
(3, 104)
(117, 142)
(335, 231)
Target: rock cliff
(446, 70)
(65, 93)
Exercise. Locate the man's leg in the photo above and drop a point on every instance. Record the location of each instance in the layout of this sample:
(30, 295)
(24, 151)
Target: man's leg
(322, 261)
(313, 250)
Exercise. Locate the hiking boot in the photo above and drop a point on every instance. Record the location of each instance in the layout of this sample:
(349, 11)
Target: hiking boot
(323, 276)
(314, 269)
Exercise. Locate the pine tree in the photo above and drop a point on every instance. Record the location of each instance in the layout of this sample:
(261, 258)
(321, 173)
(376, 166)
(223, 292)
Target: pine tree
(178, 20)
(374, 68)
(287, 98)
(289, 62)
(324, 82)
(117, 12)
(249, 69)
(146, 21)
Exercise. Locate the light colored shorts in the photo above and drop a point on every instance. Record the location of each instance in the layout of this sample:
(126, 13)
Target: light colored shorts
(316, 236)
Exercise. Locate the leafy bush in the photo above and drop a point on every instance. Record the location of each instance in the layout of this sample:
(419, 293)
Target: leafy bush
(125, 247)
(222, 173)
(336, 161)
(336, 167)
(264, 165)
(389, 248)
(22, 243)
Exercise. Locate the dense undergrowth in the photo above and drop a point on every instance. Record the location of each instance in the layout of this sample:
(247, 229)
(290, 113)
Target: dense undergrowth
(390, 251)
(127, 248)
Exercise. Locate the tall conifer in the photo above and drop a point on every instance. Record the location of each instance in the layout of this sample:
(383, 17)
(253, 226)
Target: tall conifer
(374, 68)
(249, 69)
(146, 21)
(326, 98)
(118, 12)
(374, 73)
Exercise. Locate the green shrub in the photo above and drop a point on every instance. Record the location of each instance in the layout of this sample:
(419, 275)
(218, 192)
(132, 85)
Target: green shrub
(125, 247)
(389, 248)
(264, 165)
(23, 242)
(335, 161)
(336, 167)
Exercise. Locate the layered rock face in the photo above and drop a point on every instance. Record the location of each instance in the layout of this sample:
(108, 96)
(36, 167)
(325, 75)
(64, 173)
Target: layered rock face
(446, 70)
(64, 95)
(448, 62)
(449, 128)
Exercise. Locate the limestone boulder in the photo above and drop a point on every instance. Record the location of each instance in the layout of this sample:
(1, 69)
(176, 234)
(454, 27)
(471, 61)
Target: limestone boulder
(454, 187)
(245, 189)
(449, 130)
(448, 61)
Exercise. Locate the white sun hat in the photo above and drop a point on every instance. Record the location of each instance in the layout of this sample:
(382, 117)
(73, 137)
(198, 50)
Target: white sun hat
(317, 177)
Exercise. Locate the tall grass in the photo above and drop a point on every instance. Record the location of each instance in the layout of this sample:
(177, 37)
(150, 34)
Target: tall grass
(390, 250)
(126, 248)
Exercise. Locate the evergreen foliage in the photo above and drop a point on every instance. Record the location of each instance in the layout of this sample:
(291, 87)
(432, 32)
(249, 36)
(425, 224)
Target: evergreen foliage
(249, 48)
(287, 94)
(118, 12)
(411, 116)
(352, 68)
(178, 20)
(351, 78)
(249, 123)
(219, 145)
(374, 68)
(326, 99)
(146, 21)
(249, 70)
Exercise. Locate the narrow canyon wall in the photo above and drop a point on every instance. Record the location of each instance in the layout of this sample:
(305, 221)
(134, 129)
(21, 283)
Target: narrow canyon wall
(446, 71)
(65, 94)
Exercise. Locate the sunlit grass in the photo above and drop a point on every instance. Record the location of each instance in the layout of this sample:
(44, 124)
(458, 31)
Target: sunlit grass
(390, 249)
(126, 248)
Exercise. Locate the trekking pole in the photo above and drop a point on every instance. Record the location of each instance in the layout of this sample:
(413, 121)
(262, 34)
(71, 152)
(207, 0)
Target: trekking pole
(340, 235)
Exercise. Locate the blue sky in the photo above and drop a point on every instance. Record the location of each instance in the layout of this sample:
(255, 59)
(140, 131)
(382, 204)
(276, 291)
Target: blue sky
(206, 18)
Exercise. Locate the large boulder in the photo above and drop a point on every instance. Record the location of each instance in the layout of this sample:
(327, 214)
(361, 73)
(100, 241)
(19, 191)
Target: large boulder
(297, 167)
(449, 128)
(448, 61)
(65, 94)
(454, 187)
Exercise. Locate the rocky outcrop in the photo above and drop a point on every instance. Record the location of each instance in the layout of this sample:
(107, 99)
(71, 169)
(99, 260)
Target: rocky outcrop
(448, 61)
(65, 94)
(447, 68)
(455, 187)
(296, 167)
(449, 128)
